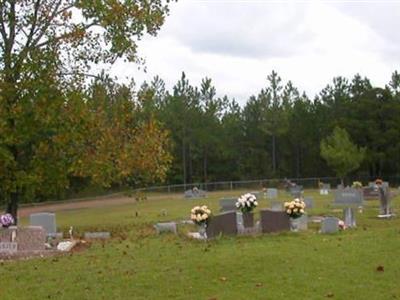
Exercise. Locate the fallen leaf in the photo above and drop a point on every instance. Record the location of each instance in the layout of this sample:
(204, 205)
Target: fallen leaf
(330, 295)
(223, 279)
(259, 284)
(380, 269)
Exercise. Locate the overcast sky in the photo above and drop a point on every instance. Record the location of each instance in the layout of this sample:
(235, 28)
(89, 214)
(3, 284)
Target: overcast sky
(238, 43)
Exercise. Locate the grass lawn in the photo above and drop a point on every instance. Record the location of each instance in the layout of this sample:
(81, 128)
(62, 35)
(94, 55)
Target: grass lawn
(360, 263)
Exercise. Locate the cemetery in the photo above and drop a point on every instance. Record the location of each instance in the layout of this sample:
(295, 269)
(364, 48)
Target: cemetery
(126, 173)
(126, 244)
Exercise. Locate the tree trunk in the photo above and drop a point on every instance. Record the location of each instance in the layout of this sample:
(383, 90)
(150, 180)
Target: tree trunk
(274, 154)
(298, 161)
(205, 165)
(12, 206)
(184, 162)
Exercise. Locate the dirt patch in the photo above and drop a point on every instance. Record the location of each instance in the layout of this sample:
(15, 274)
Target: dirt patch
(105, 202)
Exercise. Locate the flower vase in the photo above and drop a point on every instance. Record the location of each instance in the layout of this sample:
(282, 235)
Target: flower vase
(248, 219)
(203, 230)
(294, 224)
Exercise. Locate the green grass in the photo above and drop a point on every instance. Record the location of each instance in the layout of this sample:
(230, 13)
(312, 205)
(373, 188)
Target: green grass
(137, 264)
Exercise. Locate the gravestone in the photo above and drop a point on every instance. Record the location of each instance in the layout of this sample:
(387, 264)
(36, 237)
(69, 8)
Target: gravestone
(30, 238)
(227, 204)
(370, 193)
(330, 225)
(96, 235)
(296, 191)
(309, 201)
(272, 193)
(349, 217)
(384, 201)
(348, 196)
(256, 194)
(194, 193)
(276, 206)
(166, 227)
(46, 220)
(274, 221)
(224, 223)
(325, 188)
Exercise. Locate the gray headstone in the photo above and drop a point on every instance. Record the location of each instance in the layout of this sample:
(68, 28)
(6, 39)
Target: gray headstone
(309, 201)
(384, 201)
(330, 225)
(194, 193)
(46, 220)
(296, 191)
(349, 217)
(272, 193)
(227, 204)
(96, 235)
(274, 221)
(276, 206)
(348, 196)
(256, 194)
(166, 227)
(224, 223)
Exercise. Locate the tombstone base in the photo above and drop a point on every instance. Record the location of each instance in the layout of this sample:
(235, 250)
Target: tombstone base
(386, 216)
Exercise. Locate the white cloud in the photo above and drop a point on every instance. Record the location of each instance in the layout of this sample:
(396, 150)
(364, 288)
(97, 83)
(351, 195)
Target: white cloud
(238, 43)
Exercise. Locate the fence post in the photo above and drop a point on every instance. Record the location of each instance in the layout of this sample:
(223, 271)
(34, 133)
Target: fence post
(231, 186)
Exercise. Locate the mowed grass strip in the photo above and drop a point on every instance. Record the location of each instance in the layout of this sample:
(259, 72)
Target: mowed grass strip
(136, 264)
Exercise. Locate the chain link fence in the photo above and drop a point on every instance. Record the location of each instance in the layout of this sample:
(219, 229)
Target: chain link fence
(307, 183)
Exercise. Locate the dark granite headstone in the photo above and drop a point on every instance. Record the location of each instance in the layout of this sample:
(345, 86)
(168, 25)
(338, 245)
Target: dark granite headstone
(224, 223)
(370, 192)
(274, 221)
(227, 204)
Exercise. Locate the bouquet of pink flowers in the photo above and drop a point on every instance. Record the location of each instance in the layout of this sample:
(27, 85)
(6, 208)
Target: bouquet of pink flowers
(6, 220)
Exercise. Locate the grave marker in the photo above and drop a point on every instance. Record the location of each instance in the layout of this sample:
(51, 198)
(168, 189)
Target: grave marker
(166, 227)
(274, 221)
(272, 193)
(348, 196)
(330, 225)
(45, 220)
(224, 223)
(227, 204)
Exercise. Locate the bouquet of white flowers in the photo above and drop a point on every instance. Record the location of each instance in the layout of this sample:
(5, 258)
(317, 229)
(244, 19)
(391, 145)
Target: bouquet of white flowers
(295, 208)
(200, 215)
(246, 202)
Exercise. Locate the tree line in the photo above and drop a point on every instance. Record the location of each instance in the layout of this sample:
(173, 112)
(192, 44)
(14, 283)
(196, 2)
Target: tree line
(279, 130)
